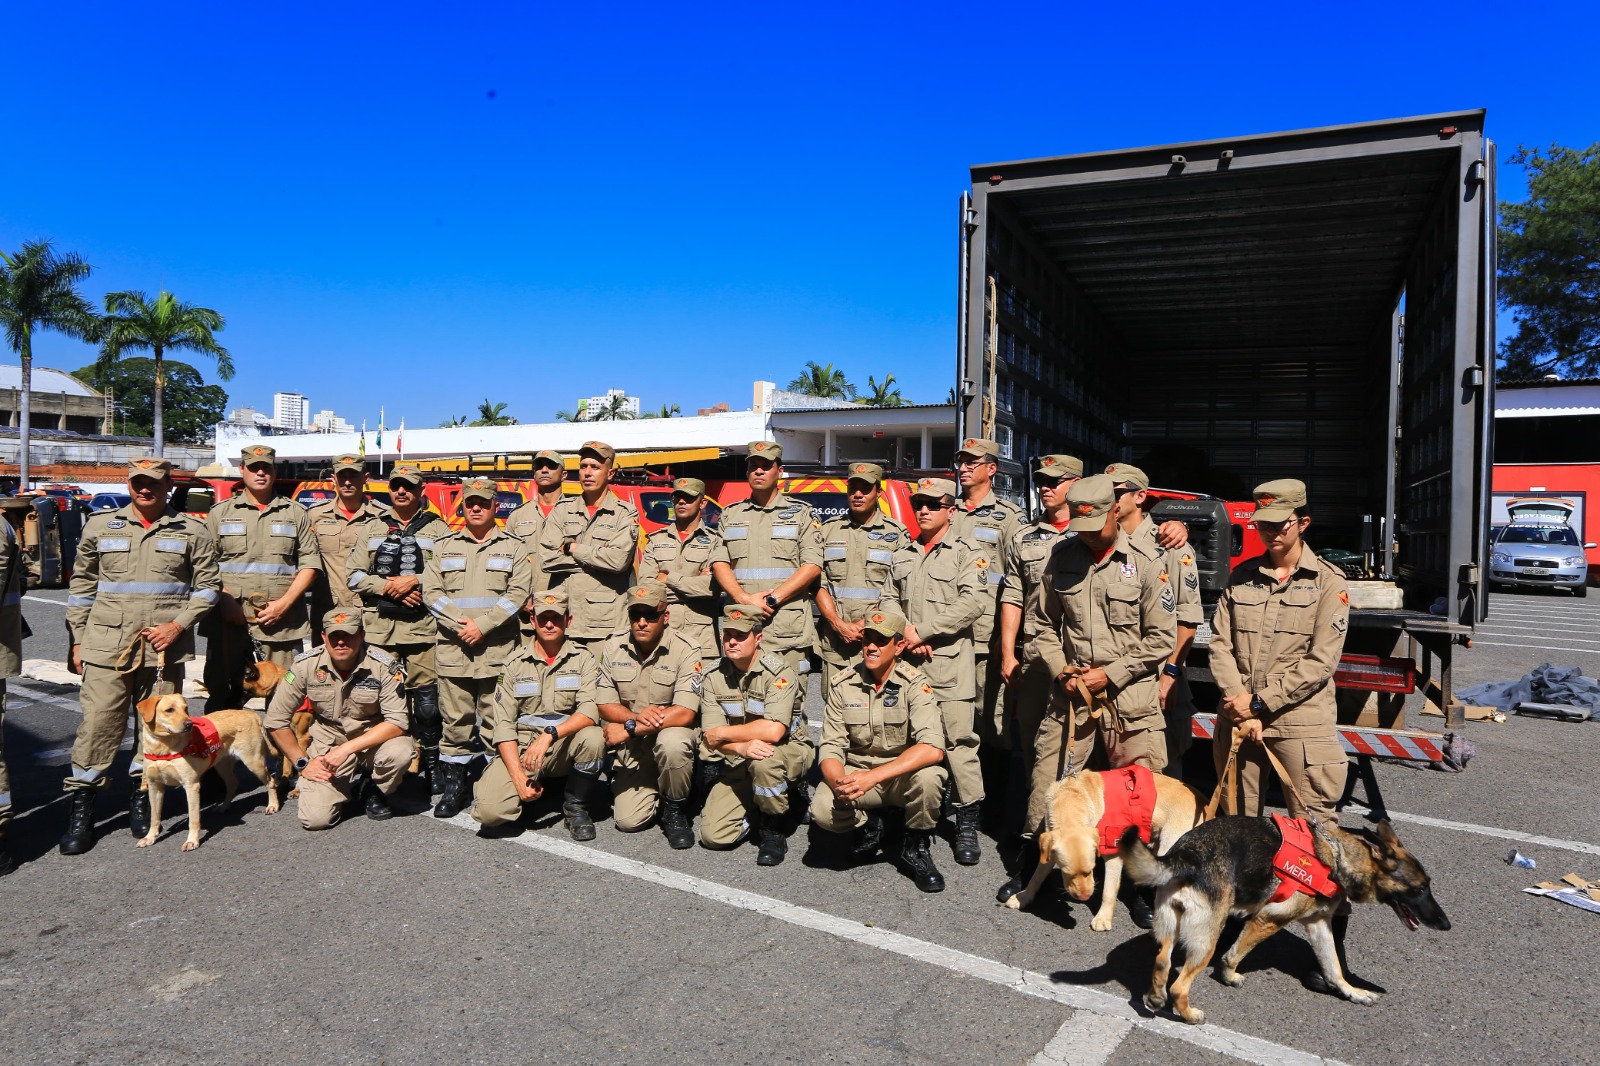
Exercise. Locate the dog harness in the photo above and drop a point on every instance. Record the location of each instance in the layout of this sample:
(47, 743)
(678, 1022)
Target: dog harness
(204, 742)
(1130, 795)
(1296, 863)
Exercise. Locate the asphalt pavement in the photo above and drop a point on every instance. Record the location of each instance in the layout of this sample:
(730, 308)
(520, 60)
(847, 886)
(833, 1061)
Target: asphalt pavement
(415, 940)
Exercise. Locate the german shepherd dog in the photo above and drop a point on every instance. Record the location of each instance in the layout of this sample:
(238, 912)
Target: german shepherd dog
(262, 679)
(1224, 867)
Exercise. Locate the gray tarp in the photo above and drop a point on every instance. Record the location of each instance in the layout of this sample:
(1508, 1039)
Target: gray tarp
(1547, 683)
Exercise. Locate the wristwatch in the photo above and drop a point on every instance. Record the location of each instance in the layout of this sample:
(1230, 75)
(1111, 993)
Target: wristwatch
(772, 601)
(550, 731)
(1172, 669)
(631, 725)
(301, 763)
(1257, 705)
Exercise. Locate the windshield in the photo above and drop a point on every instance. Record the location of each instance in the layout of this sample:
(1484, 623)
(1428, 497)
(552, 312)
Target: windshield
(1538, 535)
(657, 507)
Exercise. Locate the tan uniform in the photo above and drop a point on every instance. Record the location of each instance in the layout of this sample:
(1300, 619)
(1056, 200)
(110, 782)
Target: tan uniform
(337, 534)
(1184, 577)
(407, 633)
(650, 766)
(127, 578)
(691, 590)
(1026, 556)
(765, 546)
(1281, 640)
(527, 522)
(864, 726)
(858, 571)
(944, 589)
(532, 694)
(487, 582)
(11, 582)
(597, 573)
(1116, 614)
(771, 690)
(989, 527)
(343, 708)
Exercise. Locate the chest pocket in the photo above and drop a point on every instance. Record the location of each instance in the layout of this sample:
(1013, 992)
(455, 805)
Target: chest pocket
(896, 723)
(1034, 555)
(624, 674)
(737, 540)
(564, 691)
(858, 725)
(170, 556)
(663, 679)
(836, 561)
(363, 704)
(786, 542)
(1297, 612)
(453, 572)
(497, 572)
(940, 574)
(1249, 607)
(231, 538)
(116, 555)
(1122, 605)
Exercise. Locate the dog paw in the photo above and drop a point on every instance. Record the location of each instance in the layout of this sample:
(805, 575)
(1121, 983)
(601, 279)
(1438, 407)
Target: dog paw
(1154, 1001)
(272, 808)
(1194, 1016)
(293, 792)
(190, 845)
(145, 842)
(1356, 995)
(1017, 902)
(1231, 978)
(1101, 924)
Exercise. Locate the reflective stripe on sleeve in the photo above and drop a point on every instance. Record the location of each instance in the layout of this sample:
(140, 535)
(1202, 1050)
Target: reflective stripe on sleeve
(208, 595)
(81, 601)
(356, 578)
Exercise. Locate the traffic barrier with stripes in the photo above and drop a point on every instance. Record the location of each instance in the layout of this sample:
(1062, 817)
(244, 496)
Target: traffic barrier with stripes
(1362, 740)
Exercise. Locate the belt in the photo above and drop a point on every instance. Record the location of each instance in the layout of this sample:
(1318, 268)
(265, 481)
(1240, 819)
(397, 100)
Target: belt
(278, 569)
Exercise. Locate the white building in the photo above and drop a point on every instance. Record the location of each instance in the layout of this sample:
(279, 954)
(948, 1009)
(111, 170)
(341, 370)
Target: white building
(326, 421)
(629, 409)
(291, 411)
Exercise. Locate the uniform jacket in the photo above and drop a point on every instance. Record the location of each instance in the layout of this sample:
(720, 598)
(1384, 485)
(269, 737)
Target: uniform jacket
(336, 535)
(128, 577)
(389, 624)
(944, 591)
(527, 522)
(765, 546)
(863, 726)
(858, 570)
(670, 676)
(770, 689)
(1026, 556)
(691, 590)
(988, 527)
(12, 574)
(1282, 641)
(260, 550)
(487, 582)
(342, 708)
(598, 572)
(533, 693)
(1182, 575)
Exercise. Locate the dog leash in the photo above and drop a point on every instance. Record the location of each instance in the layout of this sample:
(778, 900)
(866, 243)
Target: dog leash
(135, 657)
(1228, 782)
(1097, 702)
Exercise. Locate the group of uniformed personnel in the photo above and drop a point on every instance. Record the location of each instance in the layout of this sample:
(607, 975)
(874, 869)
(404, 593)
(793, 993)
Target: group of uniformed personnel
(685, 672)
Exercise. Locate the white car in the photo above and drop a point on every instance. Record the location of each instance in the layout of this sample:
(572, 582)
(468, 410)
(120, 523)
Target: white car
(1540, 555)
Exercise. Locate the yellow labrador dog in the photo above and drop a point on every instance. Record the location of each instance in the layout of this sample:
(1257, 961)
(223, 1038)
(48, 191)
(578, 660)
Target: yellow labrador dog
(178, 749)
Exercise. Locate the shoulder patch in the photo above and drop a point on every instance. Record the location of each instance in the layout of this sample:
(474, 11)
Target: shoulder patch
(303, 656)
(380, 655)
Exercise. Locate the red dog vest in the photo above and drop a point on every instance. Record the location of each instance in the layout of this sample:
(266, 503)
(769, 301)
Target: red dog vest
(1130, 795)
(1296, 863)
(204, 742)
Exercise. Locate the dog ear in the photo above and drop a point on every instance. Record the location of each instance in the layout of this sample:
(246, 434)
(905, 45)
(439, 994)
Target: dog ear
(251, 673)
(147, 709)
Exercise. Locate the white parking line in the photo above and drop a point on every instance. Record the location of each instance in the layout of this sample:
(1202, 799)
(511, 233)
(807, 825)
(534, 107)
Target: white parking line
(1086, 1039)
(43, 599)
(1535, 647)
(1566, 637)
(1486, 831)
(1215, 1038)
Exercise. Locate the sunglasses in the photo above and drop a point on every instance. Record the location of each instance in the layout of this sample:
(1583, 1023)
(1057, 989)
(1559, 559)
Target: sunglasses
(1046, 482)
(928, 505)
(648, 616)
(340, 637)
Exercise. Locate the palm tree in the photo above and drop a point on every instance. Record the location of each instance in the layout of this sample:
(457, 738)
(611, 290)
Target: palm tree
(134, 323)
(823, 381)
(614, 409)
(568, 416)
(884, 395)
(493, 414)
(39, 290)
(453, 421)
(667, 411)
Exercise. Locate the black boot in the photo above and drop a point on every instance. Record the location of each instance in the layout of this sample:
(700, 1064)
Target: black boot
(966, 849)
(453, 794)
(427, 727)
(378, 807)
(1141, 905)
(868, 838)
(706, 774)
(774, 843)
(575, 805)
(916, 861)
(1027, 863)
(79, 837)
(430, 770)
(7, 863)
(676, 825)
(139, 809)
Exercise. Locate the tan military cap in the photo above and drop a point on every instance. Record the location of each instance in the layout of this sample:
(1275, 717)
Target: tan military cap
(599, 449)
(551, 601)
(550, 455)
(865, 472)
(884, 623)
(406, 472)
(769, 450)
(1059, 466)
(934, 488)
(1276, 500)
(150, 466)
(1089, 500)
(1129, 475)
(258, 453)
(689, 486)
(741, 619)
(349, 461)
(979, 448)
(481, 487)
(648, 594)
(340, 620)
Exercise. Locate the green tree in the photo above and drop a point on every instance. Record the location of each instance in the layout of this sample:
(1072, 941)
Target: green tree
(453, 421)
(823, 381)
(569, 416)
(492, 414)
(614, 409)
(39, 290)
(133, 322)
(667, 411)
(193, 407)
(1550, 265)
(885, 395)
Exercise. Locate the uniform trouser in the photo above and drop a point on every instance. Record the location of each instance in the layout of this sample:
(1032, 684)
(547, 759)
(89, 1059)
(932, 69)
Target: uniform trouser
(228, 653)
(762, 784)
(1316, 765)
(989, 701)
(1031, 702)
(417, 662)
(105, 698)
(1180, 725)
(647, 768)
(463, 703)
(5, 776)
(919, 792)
(321, 802)
(494, 798)
(961, 751)
(1060, 749)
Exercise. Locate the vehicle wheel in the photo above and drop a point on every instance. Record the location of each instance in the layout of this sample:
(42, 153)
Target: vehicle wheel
(1581, 591)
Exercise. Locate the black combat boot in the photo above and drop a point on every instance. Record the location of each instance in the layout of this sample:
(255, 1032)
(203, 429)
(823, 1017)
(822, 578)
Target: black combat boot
(575, 804)
(426, 728)
(1027, 863)
(1141, 905)
(378, 807)
(7, 863)
(453, 794)
(966, 849)
(773, 841)
(869, 837)
(916, 861)
(139, 809)
(79, 837)
(675, 823)
(706, 774)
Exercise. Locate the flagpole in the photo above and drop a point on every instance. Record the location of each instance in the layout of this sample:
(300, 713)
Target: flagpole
(380, 440)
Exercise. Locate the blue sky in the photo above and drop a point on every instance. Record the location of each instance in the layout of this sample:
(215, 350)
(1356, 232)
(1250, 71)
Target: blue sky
(426, 205)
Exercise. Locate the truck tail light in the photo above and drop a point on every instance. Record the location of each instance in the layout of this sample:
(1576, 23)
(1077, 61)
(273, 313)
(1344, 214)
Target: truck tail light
(1376, 673)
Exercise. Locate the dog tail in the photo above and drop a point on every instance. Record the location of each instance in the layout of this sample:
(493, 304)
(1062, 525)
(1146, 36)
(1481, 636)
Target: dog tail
(1139, 861)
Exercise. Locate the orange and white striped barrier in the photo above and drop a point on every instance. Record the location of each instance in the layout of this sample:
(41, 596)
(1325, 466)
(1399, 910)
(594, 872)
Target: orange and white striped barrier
(1361, 740)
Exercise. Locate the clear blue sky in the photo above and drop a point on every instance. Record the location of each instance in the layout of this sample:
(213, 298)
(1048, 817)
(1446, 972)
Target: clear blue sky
(423, 205)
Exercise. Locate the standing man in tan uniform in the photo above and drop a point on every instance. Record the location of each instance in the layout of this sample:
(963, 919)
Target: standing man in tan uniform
(358, 723)
(649, 700)
(12, 579)
(882, 745)
(145, 575)
(545, 723)
(474, 584)
(679, 556)
(770, 556)
(386, 567)
(587, 546)
(860, 550)
(267, 556)
(527, 521)
(337, 524)
(752, 725)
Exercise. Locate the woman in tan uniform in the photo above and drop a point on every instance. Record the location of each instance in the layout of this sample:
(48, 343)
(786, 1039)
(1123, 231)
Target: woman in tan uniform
(1278, 633)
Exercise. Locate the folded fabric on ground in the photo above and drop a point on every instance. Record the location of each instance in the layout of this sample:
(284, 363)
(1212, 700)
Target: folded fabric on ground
(1546, 683)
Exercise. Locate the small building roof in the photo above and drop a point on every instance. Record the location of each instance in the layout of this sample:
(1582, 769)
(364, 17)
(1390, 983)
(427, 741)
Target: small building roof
(45, 379)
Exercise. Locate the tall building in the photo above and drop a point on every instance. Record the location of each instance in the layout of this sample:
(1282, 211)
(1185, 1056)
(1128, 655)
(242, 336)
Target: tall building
(627, 408)
(326, 421)
(290, 411)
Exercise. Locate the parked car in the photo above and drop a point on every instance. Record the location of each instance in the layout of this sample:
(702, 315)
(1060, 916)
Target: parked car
(1540, 555)
(109, 501)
